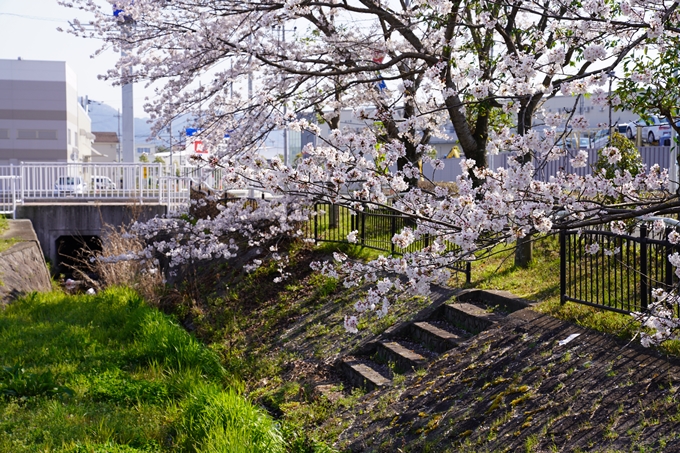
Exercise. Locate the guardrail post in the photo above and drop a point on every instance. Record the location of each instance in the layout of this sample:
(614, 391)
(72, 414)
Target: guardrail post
(644, 283)
(14, 196)
(23, 181)
(563, 266)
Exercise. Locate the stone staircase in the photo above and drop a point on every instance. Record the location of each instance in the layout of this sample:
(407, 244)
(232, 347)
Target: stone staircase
(413, 345)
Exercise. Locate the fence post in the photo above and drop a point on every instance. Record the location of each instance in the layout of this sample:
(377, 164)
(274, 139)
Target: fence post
(363, 225)
(563, 266)
(669, 267)
(644, 289)
(468, 272)
(316, 219)
(393, 231)
(333, 214)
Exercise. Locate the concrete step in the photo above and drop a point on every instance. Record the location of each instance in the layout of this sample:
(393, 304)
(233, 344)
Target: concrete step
(361, 374)
(468, 317)
(432, 337)
(403, 358)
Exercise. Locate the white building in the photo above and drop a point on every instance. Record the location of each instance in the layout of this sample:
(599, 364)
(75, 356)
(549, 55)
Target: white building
(41, 119)
(106, 147)
(145, 148)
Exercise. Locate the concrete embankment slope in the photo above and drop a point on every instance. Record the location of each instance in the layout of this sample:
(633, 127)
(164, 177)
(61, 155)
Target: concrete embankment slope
(22, 266)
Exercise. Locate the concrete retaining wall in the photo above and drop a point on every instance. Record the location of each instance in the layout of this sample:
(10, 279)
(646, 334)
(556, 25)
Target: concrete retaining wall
(22, 267)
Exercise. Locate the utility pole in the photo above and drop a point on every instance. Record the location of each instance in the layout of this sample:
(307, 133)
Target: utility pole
(128, 118)
(179, 144)
(119, 138)
(285, 127)
(128, 109)
(128, 145)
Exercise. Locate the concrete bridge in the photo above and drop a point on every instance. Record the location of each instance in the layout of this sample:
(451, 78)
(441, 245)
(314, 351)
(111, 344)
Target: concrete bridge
(63, 228)
(71, 204)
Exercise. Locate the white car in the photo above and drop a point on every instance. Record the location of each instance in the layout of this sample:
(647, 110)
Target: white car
(584, 143)
(652, 129)
(70, 185)
(102, 183)
(600, 139)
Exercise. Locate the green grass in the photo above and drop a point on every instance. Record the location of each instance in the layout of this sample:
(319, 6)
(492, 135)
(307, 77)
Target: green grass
(5, 244)
(539, 281)
(108, 373)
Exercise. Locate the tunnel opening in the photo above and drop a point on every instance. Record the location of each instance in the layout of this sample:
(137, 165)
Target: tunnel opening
(74, 252)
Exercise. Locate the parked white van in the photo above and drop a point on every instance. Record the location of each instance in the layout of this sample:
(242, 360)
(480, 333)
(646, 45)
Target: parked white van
(70, 185)
(102, 183)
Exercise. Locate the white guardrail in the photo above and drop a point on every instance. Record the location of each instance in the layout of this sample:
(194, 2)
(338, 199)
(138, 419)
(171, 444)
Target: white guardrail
(61, 182)
(8, 195)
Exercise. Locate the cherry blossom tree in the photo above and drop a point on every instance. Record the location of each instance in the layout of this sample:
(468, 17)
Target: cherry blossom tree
(407, 68)
(651, 83)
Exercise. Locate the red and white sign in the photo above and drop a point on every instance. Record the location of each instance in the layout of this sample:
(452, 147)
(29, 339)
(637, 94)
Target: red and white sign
(198, 147)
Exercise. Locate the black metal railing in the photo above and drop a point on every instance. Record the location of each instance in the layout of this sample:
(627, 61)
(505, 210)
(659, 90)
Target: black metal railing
(374, 229)
(621, 275)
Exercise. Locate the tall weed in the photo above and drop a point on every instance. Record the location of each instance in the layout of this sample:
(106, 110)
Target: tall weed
(225, 422)
(160, 339)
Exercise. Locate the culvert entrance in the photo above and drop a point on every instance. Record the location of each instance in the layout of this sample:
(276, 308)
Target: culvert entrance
(74, 252)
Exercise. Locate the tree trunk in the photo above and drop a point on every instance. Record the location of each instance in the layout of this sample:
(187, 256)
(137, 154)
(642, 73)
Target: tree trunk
(524, 253)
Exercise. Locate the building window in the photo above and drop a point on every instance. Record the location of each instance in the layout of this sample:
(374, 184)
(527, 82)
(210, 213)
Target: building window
(69, 136)
(143, 150)
(37, 134)
(4, 134)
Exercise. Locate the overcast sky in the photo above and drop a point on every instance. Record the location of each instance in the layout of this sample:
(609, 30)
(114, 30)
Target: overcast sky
(28, 29)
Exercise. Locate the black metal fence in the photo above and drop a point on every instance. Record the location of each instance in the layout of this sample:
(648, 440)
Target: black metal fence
(374, 229)
(621, 275)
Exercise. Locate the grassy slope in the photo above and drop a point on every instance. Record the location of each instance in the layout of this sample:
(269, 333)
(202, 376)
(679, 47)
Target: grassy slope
(138, 381)
(283, 339)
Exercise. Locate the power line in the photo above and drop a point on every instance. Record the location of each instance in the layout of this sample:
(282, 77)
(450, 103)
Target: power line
(25, 16)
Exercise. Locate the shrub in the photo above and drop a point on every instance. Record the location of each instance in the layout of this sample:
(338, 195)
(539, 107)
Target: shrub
(630, 157)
